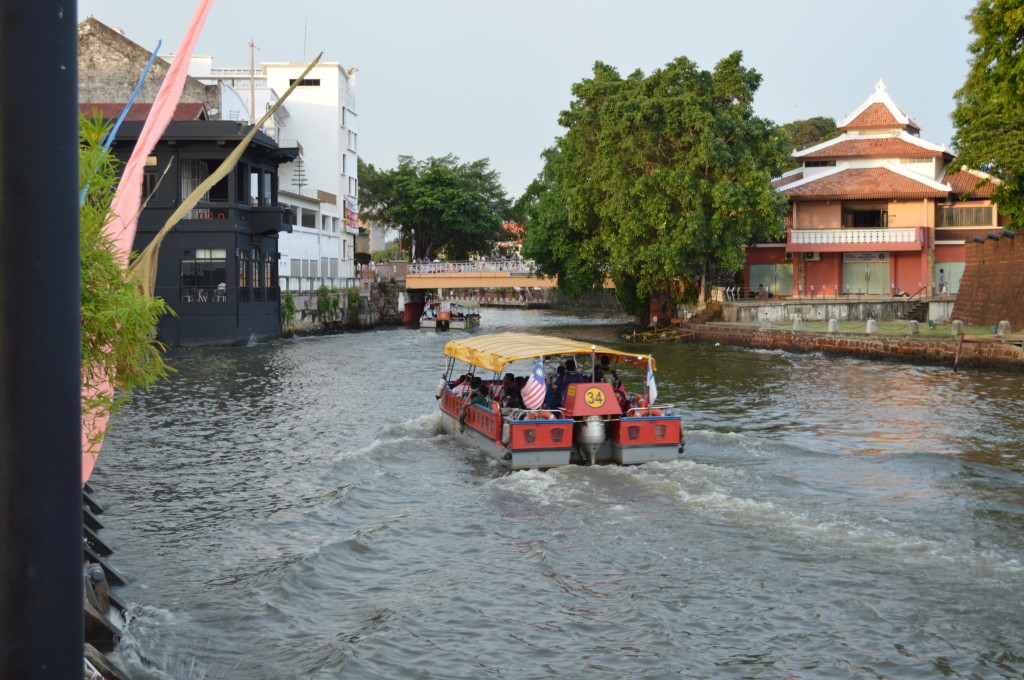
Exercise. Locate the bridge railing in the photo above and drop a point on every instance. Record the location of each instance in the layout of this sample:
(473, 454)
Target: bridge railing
(471, 266)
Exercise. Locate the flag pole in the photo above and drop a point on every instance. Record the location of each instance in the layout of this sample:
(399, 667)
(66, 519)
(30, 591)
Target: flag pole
(647, 380)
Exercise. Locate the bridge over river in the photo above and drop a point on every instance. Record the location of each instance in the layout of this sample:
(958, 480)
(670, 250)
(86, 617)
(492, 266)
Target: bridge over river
(475, 274)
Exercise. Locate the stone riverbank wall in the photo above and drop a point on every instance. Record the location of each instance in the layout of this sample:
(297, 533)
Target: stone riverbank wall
(1002, 354)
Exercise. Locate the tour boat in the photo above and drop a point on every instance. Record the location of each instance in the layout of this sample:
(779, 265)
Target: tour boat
(444, 315)
(592, 425)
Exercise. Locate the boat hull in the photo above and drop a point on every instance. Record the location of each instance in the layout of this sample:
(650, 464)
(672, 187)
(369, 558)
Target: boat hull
(535, 442)
(457, 324)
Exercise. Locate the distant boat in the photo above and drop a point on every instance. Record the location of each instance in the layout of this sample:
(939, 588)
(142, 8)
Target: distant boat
(597, 423)
(444, 315)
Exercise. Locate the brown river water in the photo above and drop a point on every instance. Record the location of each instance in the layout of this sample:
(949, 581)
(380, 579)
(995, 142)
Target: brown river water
(292, 510)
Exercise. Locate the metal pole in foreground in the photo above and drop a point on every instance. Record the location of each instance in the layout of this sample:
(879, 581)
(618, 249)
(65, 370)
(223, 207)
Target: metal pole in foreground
(41, 619)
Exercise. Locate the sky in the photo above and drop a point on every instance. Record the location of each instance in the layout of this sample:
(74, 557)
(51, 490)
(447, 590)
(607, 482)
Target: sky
(488, 78)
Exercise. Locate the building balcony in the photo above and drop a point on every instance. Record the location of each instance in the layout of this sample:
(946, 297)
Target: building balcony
(847, 240)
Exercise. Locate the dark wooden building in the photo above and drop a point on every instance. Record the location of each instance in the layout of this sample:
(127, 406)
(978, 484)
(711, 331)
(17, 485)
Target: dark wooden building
(218, 266)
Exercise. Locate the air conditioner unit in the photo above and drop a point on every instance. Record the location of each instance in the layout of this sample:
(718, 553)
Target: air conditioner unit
(789, 256)
(812, 257)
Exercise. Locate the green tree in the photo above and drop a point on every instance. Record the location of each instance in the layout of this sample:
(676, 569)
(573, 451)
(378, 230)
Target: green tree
(118, 320)
(989, 114)
(656, 179)
(446, 206)
(808, 132)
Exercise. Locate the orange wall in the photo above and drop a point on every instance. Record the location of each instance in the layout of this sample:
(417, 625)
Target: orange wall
(905, 270)
(773, 255)
(818, 215)
(823, 275)
(918, 213)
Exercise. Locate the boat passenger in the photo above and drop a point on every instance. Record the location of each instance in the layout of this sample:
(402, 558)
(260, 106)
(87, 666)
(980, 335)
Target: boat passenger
(557, 386)
(506, 383)
(550, 393)
(620, 395)
(571, 376)
(606, 368)
(474, 384)
(482, 397)
(513, 396)
(461, 387)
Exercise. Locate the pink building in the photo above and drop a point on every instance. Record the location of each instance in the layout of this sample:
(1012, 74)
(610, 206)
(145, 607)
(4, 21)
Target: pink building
(875, 211)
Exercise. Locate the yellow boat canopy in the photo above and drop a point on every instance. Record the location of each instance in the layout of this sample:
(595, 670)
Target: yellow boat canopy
(494, 351)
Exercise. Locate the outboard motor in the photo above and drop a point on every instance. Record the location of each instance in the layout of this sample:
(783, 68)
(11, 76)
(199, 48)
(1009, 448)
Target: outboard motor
(589, 436)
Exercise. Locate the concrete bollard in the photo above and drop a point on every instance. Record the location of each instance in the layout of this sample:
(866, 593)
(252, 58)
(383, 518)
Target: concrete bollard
(872, 326)
(958, 328)
(798, 322)
(1004, 328)
(912, 328)
(833, 325)
(765, 323)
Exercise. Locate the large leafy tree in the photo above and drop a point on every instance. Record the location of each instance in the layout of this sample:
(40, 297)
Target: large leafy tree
(989, 114)
(808, 132)
(656, 179)
(447, 206)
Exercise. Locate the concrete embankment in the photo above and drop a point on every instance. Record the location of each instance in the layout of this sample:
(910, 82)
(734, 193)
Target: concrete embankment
(985, 352)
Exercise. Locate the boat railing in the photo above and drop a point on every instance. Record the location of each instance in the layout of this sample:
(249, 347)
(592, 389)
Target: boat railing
(540, 413)
(643, 411)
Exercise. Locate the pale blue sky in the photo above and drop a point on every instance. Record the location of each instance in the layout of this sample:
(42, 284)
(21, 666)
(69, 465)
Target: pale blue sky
(488, 78)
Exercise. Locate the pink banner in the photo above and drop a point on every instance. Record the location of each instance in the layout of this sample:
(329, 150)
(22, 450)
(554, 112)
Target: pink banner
(124, 208)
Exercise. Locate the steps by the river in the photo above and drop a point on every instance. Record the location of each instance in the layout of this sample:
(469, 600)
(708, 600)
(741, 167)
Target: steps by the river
(101, 608)
(712, 312)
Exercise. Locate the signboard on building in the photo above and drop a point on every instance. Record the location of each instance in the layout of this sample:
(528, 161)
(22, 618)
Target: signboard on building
(351, 215)
(865, 257)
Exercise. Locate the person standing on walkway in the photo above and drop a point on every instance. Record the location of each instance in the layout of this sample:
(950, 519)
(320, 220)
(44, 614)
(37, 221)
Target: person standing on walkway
(942, 282)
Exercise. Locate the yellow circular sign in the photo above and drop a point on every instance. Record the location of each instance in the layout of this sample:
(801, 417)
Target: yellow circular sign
(594, 397)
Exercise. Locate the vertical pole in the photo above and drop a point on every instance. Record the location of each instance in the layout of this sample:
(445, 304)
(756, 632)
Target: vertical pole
(41, 620)
(252, 84)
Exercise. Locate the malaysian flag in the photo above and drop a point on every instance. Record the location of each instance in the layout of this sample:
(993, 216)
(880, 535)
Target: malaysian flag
(534, 390)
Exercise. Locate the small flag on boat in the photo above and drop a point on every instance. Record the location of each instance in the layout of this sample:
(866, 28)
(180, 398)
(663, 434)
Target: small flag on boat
(652, 388)
(534, 390)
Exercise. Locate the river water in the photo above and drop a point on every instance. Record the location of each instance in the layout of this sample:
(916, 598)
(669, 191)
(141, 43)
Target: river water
(291, 510)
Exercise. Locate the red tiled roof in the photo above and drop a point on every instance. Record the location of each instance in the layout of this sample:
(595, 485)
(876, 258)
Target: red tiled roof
(863, 183)
(513, 228)
(964, 182)
(886, 147)
(788, 179)
(877, 115)
(110, 111)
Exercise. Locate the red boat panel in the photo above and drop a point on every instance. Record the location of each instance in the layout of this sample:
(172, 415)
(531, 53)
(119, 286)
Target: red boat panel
(540, 434)
(590, 399)
(651, 430)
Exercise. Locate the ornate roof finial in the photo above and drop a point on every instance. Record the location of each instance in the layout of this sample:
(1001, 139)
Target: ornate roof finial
(880, 87)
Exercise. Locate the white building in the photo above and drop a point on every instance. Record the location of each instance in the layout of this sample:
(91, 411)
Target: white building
(321, 186)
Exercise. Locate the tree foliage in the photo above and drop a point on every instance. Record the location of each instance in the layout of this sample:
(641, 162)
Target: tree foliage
(449, 207)
(989, 114)
(118, 320)
(656, 178)
(808, 132)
